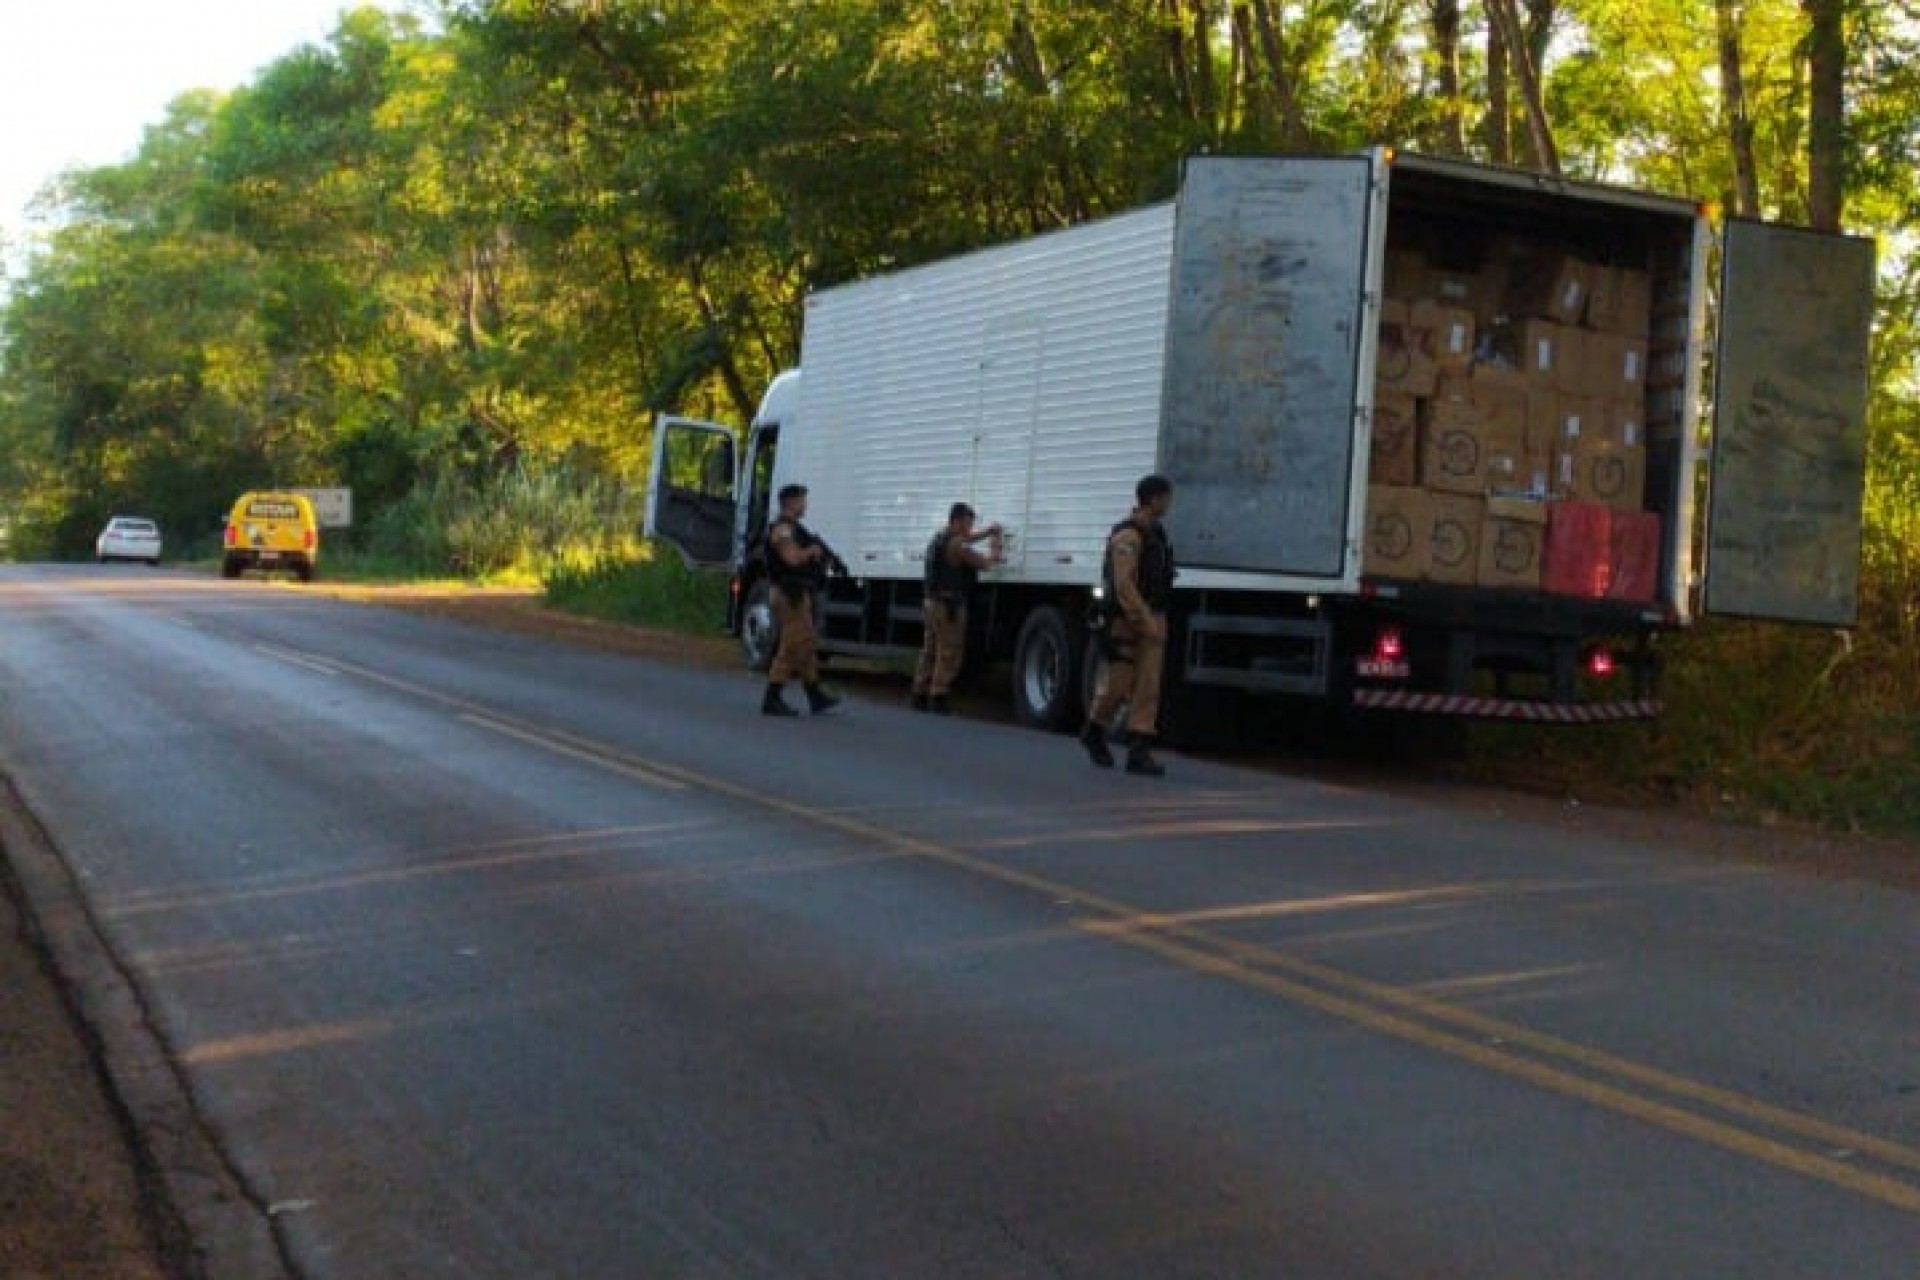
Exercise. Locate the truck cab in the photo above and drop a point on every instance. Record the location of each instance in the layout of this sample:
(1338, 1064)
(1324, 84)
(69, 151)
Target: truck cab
(713, 497)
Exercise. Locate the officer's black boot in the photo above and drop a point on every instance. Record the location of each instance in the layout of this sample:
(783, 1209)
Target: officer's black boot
(939, 706)
(921, 703)
(819, 700)
(1140, 760)
(775, 705)
(1094, 739)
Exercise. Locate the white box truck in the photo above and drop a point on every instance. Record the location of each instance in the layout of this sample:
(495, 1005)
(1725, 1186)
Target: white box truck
(1238, 339)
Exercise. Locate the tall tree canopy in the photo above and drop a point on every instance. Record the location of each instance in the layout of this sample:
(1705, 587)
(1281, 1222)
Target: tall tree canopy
(518, 229)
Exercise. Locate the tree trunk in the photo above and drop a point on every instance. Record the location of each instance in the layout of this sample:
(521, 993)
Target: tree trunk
(1728, 16)
(1499, 96)
(1206, 95)
(1546, 157)
(1178, 69)
(1826, 138)
(1293, 126)
(1446, 56)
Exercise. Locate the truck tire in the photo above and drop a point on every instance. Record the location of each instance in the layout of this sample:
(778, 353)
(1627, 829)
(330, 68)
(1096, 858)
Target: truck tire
(759, 635)
(1047, 661)
(230, 566)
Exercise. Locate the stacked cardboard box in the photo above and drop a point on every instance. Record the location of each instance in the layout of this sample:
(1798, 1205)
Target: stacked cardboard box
(1509, 409)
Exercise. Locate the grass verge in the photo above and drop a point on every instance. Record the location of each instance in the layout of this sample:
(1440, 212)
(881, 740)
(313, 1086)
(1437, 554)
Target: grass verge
(652, 587)
(1762, 724)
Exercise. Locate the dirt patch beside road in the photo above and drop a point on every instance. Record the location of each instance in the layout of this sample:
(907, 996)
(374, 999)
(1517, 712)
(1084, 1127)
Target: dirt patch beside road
(70, 1206)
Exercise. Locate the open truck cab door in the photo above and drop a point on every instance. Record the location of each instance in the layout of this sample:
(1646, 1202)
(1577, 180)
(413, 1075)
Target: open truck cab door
(691, 498)
(713, 503)
(1789, 447)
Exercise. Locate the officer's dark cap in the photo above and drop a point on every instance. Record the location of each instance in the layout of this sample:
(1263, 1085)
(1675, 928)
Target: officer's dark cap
(789, 492)
(1151, 487)
(959, 511)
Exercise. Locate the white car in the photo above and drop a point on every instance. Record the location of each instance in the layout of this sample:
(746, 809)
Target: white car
(128, 538)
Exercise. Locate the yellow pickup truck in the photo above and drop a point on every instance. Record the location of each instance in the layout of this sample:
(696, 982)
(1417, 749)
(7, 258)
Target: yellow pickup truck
(270, 531)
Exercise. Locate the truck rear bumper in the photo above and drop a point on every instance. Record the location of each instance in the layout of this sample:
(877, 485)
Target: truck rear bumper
(1448, 704)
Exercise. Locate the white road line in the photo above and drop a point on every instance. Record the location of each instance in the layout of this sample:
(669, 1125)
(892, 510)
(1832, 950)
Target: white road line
(297, 660)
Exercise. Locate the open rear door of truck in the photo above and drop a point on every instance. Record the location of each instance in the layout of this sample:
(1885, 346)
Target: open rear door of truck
(1790, 425)
(690, 498)
(1265, 339)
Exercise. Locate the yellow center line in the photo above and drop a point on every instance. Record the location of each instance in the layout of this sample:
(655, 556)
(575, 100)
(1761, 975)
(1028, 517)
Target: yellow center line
(1390, 1010)
(600, 759)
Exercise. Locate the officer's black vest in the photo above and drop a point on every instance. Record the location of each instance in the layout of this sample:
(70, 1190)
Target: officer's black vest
(806, 576)
(1156, 565)
(941, 578)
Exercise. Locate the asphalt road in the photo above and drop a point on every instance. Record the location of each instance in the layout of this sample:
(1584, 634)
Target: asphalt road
(481, 957)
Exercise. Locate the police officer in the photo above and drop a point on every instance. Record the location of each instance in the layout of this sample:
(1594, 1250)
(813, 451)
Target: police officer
(952, 567)
(797, 563)
(1137, 574)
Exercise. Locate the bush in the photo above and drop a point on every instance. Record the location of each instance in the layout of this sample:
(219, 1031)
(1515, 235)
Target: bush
(650, 585)
(527, 522)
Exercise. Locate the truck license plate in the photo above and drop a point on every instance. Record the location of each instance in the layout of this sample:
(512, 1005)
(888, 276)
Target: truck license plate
(1382, 669)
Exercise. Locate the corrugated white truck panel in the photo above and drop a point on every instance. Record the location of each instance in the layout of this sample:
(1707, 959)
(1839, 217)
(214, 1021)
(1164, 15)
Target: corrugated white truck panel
(1025, 379)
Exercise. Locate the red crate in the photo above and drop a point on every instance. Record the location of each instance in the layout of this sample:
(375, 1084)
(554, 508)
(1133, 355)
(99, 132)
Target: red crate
(1635, 538)
(1579, 554)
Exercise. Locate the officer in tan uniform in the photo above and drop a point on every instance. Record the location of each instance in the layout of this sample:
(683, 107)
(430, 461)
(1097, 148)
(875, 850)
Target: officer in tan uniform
(798, 561)
(952, 567)
(1137, 575)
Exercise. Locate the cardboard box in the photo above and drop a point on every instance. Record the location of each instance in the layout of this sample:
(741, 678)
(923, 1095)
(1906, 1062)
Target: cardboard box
(1614, 365)
(1634, 537)
(1623, 422)
(1620, 301)
(1492, 376)
(1395, 453)
(1577, 416)
(1547, 353)
(1446, 332)
(1460, 449)
(1603, 298)
(1503, 408)
(1593, 469)
(1549, 285)
(1578, 557)
(1453, 541)
(1399, 532)
(1402, 362)
(1517, 465)
(1513, 536)
(1635, 302)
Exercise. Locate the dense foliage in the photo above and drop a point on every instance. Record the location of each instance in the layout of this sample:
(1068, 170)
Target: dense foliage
(490, 238)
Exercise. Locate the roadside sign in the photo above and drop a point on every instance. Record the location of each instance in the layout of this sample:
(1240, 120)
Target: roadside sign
(333, 508)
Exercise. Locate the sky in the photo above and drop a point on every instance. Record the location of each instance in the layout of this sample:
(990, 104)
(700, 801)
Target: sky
(80, 80)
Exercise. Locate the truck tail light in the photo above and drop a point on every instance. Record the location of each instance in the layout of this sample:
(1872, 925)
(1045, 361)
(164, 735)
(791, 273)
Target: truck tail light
(232, 536)
(1600, 662)
(1389, 645)
(306, 539)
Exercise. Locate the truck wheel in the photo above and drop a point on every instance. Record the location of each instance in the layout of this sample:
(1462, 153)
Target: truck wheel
(1046, 669)
(759, 637)
(230, 567)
